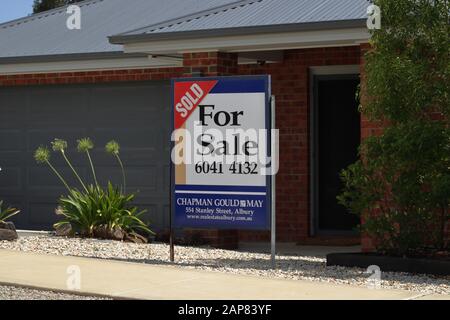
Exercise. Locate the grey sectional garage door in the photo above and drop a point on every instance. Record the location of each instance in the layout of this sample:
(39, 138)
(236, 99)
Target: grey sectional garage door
(136, 115)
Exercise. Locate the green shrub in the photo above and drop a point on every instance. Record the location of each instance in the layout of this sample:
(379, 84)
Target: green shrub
(117, 213)
(113, 148)
(110, 210)
(94, 211)
(408, 70)
(7, 213)
(401, 185)
(402, 188)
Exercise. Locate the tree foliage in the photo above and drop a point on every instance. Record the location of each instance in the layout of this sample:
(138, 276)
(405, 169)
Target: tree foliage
(401, 185)
(408, 72)
(44, 5)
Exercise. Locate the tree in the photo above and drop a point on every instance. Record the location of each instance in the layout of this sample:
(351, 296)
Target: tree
(44, 5)
(401, 185)
(408, 69)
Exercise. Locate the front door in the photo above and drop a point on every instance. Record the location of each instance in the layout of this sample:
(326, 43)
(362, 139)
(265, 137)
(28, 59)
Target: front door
(336, 138)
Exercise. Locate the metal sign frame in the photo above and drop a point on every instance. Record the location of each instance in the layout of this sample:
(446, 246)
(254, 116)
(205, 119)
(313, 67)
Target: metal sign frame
(270, 179)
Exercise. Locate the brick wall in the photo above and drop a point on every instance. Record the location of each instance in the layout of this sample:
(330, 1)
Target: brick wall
(290, 84)
(210, 64)
(90, 77)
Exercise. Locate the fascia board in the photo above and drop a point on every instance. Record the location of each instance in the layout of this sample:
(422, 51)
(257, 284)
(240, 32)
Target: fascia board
(275, 41)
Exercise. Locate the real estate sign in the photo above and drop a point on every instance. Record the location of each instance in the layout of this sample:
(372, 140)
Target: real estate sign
(221, 176)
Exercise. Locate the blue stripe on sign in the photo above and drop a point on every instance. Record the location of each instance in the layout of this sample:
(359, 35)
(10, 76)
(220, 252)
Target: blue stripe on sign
(220, 188)
(240, 86)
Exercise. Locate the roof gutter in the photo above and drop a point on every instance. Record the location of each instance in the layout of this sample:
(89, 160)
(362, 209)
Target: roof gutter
(70, 57)
(253, 30)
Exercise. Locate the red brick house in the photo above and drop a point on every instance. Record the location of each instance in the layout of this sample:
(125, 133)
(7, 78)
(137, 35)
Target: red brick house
(110, 79)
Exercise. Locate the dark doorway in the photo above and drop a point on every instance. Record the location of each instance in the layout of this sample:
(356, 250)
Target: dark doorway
(336, 138)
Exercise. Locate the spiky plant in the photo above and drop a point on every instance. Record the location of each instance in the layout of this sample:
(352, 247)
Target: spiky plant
(59, 145)
(42, 156)
(84, 145)
(7, 213)
(113, 148)
(110, 208)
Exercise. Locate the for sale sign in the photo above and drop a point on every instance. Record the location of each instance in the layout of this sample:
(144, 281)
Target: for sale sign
(221, 171)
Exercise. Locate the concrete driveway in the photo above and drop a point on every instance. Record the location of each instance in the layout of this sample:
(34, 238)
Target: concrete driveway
(140, 281)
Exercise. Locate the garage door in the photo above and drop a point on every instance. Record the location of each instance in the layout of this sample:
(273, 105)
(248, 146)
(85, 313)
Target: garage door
(136, 115)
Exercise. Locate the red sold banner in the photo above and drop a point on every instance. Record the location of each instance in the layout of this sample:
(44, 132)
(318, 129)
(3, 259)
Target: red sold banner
(187, 97)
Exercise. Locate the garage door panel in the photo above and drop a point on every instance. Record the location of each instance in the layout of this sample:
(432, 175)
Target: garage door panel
(77, 159)
(117, 118)
(165, 209)
(10, 117)
(142, 177)
(11, 159)
(47, 98)
(53, 122)
(13, 98)
(101, 159)
(11, 140)
(16, 201)
(112, 118)
(135, 114)
(43, 177)
(45, 135)
(10, 179)
(12, 108)
(137, 177)
(141, 158)
(56, 192)
(128, 138)
(156, 216)
(45, 108)
(130, 158)
(42, 215)
(138, 97)
(165, 176)
(44, 113)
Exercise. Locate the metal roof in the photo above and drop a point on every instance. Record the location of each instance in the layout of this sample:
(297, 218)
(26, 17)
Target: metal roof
(252, 14)
(45, 34)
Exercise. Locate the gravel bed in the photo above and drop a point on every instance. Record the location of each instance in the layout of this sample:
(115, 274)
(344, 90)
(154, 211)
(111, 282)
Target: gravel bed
(16, 293)
(295, 267)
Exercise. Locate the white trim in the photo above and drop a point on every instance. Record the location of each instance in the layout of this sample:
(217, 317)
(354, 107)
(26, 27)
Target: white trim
(260, 42)
(88, 65)
(241, 43)
(312, 46)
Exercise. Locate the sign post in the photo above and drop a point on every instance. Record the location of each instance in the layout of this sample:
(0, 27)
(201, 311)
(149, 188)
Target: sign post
(171, 235)
(274, 165)
(221, 175)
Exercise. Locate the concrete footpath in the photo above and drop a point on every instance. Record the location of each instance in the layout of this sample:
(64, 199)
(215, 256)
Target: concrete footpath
(139, 281)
